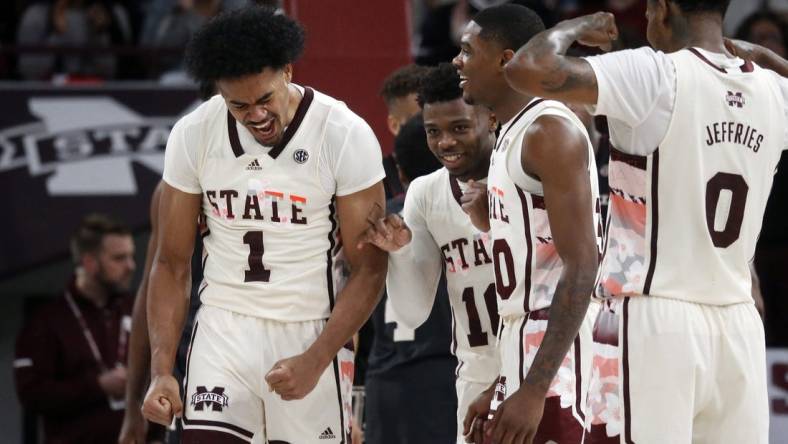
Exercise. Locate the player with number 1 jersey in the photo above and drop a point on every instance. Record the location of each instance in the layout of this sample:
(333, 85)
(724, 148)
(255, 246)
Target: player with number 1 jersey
(276, 169)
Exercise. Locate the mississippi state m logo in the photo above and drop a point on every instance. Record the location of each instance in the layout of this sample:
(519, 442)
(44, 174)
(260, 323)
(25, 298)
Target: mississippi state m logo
(215, 398)
(735, 99)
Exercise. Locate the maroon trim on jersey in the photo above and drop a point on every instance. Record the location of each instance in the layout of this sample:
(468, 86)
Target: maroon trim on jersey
(543, 314)
(521, 114)
(708, 62)
(639, 162)
(201, 422)
(654, 205)
(329, 254)
(522, 348)
(578, 380)
(204, 286)
(528, 248)
(747, 66)
(454, 342)
(538, 202)
(625, 373)
(213, 436)
(303, 107)
(339, 399)
(454, 184)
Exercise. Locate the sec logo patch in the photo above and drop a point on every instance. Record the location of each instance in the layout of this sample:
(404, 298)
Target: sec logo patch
(300, 156)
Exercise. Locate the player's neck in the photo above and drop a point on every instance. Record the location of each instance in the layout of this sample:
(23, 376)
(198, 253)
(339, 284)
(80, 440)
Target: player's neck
(509, 105)
(295, 101)
(702, 31)
(91, 290)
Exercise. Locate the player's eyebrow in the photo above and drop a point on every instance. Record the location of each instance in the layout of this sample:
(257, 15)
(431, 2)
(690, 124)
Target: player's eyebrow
(262, 99)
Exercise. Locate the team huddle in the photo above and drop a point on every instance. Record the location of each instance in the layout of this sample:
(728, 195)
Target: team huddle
(567, 328)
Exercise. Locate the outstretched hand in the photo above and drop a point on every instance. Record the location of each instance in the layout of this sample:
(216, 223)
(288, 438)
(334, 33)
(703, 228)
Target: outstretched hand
(389, 233)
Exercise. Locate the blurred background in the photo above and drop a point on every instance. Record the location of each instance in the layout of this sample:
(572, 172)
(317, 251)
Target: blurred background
(89, 90)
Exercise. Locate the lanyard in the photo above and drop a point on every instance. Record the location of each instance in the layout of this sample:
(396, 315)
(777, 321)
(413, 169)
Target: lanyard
(89, 336)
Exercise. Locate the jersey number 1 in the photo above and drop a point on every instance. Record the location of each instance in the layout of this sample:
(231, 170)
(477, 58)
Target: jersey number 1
(257, 271)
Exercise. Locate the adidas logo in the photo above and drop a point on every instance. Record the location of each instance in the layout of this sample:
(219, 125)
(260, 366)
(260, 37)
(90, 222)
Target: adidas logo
(254, 166)
(327, 434)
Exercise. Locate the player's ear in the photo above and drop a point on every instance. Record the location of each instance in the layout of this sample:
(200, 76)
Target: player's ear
(393, 125)
(288, 71)
(493, 123)
(507, 55)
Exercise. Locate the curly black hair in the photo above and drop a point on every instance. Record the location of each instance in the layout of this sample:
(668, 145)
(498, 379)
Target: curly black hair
(243, 42)
(402, 82)
(510, 25)
(441, 84)
(411, 151)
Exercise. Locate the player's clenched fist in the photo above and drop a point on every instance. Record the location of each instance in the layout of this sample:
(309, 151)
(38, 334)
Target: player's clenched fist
(597, 30)
(474, 203)
(388, 234)
(162, 400)
(293, 378)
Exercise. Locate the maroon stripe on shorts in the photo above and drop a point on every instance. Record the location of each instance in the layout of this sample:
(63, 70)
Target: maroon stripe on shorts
(202, 436)
(522, 348)
(578, 380)
(625, 373)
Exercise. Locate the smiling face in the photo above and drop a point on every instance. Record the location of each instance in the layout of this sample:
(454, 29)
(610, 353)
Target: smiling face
(480, 67)
(261, 102)
(461, 136)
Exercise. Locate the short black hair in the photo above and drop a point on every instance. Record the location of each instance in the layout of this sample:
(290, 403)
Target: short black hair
(411, 151)
(402, 82)
(699, 6)
(90, 234)
(509, 25)
(243, 42)
(441, 84)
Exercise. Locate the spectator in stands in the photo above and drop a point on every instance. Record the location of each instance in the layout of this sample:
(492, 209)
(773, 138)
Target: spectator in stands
(70, 24)
(70, 358)
(768, 29)
(399, 92)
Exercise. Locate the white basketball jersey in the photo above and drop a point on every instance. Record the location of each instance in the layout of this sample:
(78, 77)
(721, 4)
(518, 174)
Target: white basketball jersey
(527, 265)
(684, 220)
(270, 242)
(447, 239)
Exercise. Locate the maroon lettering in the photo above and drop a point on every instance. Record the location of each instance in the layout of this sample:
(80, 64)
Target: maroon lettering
(758, 143)
(459, 245)
(739, 131)
(211, 195)
(296, 219)
(252, 203)
(480, 255)
(229, 195)
(500, 247)
(739, 189)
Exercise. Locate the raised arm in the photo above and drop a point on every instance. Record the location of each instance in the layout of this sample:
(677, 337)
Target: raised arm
(764, 57)
(169, 287)
(558, 155)
(541, 68)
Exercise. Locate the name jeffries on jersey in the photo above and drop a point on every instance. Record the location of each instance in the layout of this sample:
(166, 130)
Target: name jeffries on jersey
(444, 238)
(684, 220)
(271, 229)
(527, 265)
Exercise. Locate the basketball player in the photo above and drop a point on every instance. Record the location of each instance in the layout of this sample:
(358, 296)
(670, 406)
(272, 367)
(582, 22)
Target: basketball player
(434, 233)
(696, 135)
(543, 212)
(276, 168)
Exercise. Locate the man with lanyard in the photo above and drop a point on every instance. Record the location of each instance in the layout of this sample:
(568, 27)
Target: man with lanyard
(70, 358)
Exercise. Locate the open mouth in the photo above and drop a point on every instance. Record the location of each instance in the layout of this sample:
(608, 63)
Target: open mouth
(264, 130)
(451, 159)
(463, 81)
